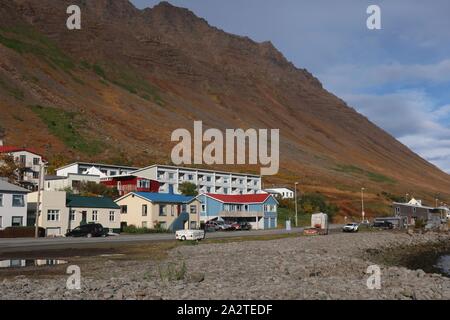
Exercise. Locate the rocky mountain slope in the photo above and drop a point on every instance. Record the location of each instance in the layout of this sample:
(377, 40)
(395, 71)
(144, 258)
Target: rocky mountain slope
(115, 90)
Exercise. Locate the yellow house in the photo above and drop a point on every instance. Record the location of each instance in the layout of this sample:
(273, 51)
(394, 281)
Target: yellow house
(168, 211)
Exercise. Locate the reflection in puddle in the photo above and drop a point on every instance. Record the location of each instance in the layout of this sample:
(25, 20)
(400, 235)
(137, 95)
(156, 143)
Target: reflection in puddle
(443, 264)
(22, 263)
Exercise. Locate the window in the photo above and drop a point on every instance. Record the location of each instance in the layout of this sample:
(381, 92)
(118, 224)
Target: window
(171, 175)
(225, 190)
(1, 200)
(193, 225)
(36, 161)
(35, 175)
(22, 159)
(112, 216)
(112, 173)
(208, 179)
(53, 215)
(162, 210)
(144, 210)
(72, 215)
(18, 200)
(246, 207)
(193, 209)
(172, 211)
(1, 222)
(203, 207)
(17, 222)
(123, 209)
(397, 209)
(76, 184)
(94, 215)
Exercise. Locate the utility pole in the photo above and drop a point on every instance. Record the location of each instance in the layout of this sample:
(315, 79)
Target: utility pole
(38, 204)
(362, 204)
(296, 211)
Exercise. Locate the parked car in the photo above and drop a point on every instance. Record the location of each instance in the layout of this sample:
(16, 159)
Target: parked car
(234, 225)
(223, 226)
(88, 230)
(383, 225)
(184, 235)
(351, 227)
(245, 226)
(212, 225)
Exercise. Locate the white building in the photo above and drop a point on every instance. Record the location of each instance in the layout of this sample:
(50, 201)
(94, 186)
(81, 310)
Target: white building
(13, 205)
(94, 169)
(207, 181)
(62, 212)
(284, 193)
(72, 181)
(29, 163)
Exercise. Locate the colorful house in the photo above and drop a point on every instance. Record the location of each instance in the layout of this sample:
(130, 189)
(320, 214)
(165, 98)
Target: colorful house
(13, 205)
(260, 210)
(130, 183)
(166, 210)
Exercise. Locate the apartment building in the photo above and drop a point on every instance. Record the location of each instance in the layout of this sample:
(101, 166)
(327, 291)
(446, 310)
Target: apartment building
(71, 181)
(207, 181)
(95, 169)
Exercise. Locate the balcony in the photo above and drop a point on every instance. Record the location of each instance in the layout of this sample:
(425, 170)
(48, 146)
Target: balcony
(240, 214)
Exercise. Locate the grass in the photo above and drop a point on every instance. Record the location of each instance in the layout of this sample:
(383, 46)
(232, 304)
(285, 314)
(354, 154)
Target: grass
(135, 230)
(26, 40)
(12, 91)
(172, 272)
(373, 176)
(65, 126)
(286, 214)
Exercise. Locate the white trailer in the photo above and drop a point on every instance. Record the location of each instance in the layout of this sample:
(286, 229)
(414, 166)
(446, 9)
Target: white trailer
(184, 235)
(320, 221)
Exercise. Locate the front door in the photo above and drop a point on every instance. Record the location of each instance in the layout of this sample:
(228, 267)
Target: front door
(83, 218)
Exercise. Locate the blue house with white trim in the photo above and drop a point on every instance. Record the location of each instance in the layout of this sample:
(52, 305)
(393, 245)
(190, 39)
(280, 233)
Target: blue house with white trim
(260, 210)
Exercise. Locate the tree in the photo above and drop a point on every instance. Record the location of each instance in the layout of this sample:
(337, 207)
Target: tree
(8, 168)
(188, 189)
(92, 189)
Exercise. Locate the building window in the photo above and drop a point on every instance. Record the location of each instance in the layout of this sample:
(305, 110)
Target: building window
(414, 210)
(246, 207)
(94, 215)
(193, 225)
(172, 211)
(225, 190)
(17, 222)
(144, 210)
(162, 210)
(193, 209)
(18, 200)
(53, 215)
(112, 216)
(36, 161)
(123, 209)
(22, 159)
(112, 173)
(1, 222)
(76, 184)
(171, 176)
(1, 200)
(72, 215)
(397, 210)
(35, 175)
(203, 207)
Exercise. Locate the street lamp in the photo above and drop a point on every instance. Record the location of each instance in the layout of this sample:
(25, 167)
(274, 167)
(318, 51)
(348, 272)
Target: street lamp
(296, 213)
(362, 204)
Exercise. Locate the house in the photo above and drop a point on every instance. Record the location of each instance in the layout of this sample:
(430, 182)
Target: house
(29, 163)
(71, 181)
(130, 183)
(284, 193)
(165, 210)
(207, 181)
(62, 212)
(96, 169)
(13, 205)
(260, 210)
(414, 210)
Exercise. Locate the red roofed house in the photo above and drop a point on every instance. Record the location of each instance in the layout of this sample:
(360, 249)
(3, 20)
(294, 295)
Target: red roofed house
(29, 162)
(260, 210)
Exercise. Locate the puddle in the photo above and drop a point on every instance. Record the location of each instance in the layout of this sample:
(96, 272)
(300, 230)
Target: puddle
(112, 255)
(23, 263)
(443, 265)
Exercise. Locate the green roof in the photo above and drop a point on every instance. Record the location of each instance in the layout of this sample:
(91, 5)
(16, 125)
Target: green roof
(90, 202)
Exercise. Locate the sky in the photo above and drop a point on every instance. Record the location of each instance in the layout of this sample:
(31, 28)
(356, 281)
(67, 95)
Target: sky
(399, 76)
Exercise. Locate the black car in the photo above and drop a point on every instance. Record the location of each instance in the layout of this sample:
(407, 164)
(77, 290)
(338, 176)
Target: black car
(383, 225)
(88, 230)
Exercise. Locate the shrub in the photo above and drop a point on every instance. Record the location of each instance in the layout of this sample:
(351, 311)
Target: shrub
(172, 272)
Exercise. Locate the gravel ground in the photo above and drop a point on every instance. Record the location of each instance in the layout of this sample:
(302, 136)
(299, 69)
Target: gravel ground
(324, 267)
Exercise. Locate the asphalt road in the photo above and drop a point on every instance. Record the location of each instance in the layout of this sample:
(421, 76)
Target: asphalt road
(31, 244)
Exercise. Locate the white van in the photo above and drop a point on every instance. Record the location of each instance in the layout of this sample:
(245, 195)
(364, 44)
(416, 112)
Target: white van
(184, 235)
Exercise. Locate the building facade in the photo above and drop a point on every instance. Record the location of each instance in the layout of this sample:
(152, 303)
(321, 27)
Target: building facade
(167, 211)
(130, 183)
(13, 205)
(414, 210)
(71, 181)
(96, 169)
(284, 193)
(30, 164)
(260, 210)
(62, 212)
(207, 181)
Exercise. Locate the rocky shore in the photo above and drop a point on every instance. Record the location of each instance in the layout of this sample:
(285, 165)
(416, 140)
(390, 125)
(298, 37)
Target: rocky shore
(324, 267)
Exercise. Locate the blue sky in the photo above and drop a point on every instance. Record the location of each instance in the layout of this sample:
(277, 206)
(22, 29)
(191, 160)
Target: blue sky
(399, 77)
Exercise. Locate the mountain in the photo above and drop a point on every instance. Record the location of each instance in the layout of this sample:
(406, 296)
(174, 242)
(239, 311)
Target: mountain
(116, 89)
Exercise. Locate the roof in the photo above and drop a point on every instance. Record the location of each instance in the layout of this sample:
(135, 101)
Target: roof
(9, 187)
(162, 197)
(198, 169)
(9, 149)
(240, 198)
(411, 205)
(98, 165)
(277, 189)
(90, 202)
